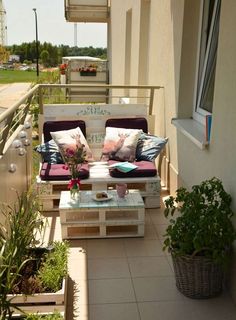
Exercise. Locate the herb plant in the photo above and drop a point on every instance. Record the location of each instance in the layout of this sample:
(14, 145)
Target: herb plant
(203, 226)
(53, 316)
(17, 233)
(55, 268)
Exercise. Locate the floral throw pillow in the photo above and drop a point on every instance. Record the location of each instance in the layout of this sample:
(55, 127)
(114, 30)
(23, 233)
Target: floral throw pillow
(120, 144)
(149, 147)
(67, 139)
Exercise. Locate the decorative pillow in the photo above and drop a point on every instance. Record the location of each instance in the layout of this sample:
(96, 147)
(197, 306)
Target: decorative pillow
(68, 138)
(124, 166)
(149, 147)
(49, 152)
(120, 144)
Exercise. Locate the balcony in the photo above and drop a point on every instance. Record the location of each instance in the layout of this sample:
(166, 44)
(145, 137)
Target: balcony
(109, 278)
(86, 10)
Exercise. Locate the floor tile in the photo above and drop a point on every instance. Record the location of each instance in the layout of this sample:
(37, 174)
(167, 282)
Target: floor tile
(77, 312)
(149, 267)
(159, 218)
(147, 218)
(169, 258)
(216, 308)
(111, 291)
(143, 247)
(167, 310)
(118, 311)
(105, 248)
(161, 230)
(150, 232)
(108, 268)
(80, 292)
(156, 289)
(78, 268)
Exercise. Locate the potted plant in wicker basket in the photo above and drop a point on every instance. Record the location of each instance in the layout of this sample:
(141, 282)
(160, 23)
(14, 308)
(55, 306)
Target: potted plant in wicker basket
(200, 237)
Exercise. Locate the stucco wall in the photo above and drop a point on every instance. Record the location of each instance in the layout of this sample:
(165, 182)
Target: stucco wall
(171, 62)
(161, 60)
(219, 159)
(166, 19)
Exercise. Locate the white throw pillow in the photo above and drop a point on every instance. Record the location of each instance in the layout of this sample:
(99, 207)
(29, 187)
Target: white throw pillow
(67, 138)
(120, 144)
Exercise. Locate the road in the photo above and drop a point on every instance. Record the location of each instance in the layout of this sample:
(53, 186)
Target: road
(11, 93)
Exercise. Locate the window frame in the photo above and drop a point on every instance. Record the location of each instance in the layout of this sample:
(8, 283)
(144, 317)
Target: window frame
(199, 113)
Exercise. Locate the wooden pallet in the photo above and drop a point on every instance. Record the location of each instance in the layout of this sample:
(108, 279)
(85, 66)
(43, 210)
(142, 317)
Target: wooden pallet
(87, 218)
(41, 302)
(149, 188)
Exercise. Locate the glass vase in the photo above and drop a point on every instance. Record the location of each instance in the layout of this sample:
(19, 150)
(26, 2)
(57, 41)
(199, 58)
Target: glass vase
(75, 194)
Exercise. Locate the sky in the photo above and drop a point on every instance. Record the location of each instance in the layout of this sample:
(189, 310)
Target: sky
(52, 26)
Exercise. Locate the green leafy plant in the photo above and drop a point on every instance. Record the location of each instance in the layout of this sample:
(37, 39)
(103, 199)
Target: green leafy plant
(21, 224)
(9, 272)
(53, 316)
(203, 226)
(18, 230)
(55, 267)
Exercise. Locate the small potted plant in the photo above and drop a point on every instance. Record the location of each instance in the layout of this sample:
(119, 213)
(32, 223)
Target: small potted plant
(200, 237)
(90, 71)
(63, 68)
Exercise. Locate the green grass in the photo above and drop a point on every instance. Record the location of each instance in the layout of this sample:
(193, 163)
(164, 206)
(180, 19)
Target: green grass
(12, 76)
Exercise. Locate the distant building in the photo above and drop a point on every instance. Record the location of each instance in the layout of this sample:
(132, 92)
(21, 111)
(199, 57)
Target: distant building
(14, 58)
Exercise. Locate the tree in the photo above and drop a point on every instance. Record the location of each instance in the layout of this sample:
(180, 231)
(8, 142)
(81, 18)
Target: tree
(4, 54)
(44, 56)
(27, 51)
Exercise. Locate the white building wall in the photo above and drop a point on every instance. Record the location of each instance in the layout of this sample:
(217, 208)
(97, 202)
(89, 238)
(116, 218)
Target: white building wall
(171, 62)
(160, 53)
(219, 159)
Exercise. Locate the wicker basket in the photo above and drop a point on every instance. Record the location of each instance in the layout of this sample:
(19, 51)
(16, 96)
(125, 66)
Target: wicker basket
(197, 277)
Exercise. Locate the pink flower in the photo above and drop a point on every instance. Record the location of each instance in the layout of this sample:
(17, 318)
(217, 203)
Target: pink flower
(70, 153)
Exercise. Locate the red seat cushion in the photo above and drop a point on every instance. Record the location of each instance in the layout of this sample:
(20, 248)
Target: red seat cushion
(145, 169)
(58, 172)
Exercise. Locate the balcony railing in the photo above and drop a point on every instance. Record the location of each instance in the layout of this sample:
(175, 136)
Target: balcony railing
(14, 117)
(42, 94)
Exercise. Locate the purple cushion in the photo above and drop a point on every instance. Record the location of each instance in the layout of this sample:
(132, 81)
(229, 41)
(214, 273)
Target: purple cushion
(51, 126)
(58, 172)
(145, 169)
(128, 123)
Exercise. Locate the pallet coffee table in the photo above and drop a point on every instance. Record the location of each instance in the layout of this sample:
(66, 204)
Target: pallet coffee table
(88, 218)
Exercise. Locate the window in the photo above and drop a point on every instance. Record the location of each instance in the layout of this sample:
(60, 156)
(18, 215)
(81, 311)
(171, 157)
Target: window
(207, 57)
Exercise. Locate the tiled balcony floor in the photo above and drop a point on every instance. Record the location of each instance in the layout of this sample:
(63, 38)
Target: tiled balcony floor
(131, 279)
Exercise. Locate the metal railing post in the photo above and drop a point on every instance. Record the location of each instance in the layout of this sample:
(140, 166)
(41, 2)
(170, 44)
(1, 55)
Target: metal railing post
(151, 99)
(40, 100)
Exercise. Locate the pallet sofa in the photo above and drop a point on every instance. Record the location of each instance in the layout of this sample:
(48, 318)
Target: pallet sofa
(98, 175)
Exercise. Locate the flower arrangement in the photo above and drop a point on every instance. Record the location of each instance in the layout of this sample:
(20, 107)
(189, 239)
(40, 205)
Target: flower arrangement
(90, 70)
(63, 68)
(74, 155)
